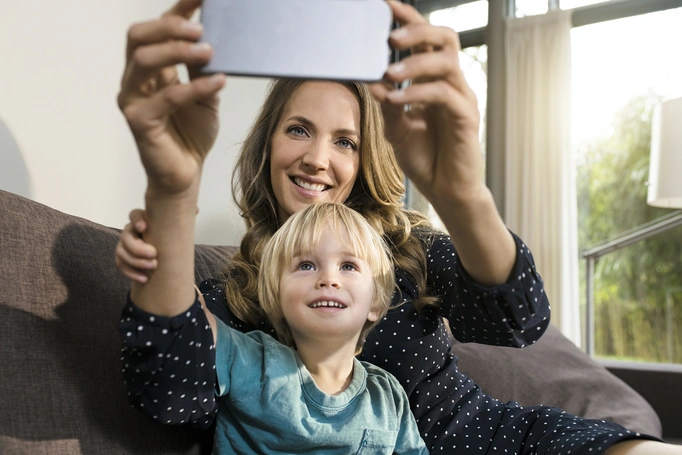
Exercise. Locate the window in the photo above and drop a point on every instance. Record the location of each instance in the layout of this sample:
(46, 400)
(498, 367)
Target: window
(621, 70)
(530, 7)
(464, 17)
(568, 4)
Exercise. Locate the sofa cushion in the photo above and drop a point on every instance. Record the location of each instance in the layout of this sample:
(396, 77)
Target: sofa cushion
(554, 372)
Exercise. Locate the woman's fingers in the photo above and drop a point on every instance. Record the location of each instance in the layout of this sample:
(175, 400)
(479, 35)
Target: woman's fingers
(416, 32)
(438, 93)
(135, 258)
(143, 115)
(424, 34)
(135, 247)
(427, 66)
(392, 112)
(151, 57)
(137, 275)
(404, 13)
(435, 51)
(155, 48)
(133, 267)
(160, 30)
(152, 67)
(138, 221)
(184, 8)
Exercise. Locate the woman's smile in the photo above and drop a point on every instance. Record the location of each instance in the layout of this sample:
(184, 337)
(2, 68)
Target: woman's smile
(310, 186)
(315, 155)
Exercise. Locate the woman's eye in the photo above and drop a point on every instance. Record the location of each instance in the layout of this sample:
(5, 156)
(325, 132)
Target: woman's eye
(347, 143)
(297, 131)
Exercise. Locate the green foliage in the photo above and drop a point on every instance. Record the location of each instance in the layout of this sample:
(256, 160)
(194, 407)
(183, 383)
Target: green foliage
(638, 290)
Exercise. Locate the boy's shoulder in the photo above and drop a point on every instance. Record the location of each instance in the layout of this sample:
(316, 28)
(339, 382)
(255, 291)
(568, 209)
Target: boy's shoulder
(379, 375)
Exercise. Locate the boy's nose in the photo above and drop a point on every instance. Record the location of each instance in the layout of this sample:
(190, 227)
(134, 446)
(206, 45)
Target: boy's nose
(328, 279)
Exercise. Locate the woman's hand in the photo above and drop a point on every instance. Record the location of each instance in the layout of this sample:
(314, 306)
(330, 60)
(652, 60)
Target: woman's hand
(436, 141)
(174, 124)
(135, 258)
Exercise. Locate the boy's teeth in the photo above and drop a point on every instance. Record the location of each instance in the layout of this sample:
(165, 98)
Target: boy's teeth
(309, 186)
(327, 304)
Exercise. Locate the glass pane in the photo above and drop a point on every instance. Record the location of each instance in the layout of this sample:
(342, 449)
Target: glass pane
(568, 4)
(638, 309)
(531, 7)
(463, 17)
(621, 70)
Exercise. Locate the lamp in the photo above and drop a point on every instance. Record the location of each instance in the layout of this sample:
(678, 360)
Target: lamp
(665, 165)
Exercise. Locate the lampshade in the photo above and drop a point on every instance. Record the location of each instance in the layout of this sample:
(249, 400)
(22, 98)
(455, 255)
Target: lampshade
(665, 166)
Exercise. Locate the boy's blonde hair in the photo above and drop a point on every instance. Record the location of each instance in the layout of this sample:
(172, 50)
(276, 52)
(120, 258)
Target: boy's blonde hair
(300, 234)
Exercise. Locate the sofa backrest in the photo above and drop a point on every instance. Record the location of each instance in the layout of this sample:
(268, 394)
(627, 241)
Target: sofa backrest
(61, 390)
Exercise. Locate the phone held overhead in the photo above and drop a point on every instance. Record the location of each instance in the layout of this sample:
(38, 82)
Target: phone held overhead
(312, 39)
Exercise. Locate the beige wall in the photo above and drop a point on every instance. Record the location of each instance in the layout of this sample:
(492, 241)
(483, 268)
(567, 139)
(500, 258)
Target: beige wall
(65, 144)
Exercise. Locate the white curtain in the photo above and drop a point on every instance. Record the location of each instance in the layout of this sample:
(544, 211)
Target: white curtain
(540, 201)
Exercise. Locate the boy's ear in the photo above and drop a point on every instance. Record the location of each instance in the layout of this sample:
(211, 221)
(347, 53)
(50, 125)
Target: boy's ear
(373, 316)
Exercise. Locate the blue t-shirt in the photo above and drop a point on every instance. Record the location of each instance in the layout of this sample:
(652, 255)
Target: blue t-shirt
(269, 404)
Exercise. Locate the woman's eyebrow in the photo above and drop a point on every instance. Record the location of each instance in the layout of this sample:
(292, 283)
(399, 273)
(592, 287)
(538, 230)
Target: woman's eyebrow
(300, 119)
(309, 124)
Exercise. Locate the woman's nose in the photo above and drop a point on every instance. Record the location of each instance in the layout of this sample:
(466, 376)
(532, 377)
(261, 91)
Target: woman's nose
(317, 157)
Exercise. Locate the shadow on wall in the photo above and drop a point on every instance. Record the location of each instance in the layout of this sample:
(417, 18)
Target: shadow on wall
(14, 176)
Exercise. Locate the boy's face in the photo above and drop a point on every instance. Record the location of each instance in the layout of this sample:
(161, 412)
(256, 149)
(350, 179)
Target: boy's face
(327, 294)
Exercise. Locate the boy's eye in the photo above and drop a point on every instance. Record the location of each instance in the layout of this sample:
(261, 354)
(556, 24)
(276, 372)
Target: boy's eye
(306, 266)
(348, 266)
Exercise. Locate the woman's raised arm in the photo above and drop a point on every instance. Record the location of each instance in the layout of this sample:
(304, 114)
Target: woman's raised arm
(174, 125)
(437, 145)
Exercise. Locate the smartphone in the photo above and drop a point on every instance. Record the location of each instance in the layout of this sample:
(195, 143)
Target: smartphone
(311, 39)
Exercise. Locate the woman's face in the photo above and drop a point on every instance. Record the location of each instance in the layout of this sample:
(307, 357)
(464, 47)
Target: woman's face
(315, 154)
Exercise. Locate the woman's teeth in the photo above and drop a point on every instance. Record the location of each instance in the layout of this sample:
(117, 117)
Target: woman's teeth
(309, 186)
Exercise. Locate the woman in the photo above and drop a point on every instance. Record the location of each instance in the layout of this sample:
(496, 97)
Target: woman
(322, 141)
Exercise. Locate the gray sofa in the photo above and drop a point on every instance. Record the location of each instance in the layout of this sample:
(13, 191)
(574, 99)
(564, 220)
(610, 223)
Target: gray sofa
(61, 390)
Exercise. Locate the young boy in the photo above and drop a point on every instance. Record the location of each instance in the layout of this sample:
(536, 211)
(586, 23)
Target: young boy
(325, 280)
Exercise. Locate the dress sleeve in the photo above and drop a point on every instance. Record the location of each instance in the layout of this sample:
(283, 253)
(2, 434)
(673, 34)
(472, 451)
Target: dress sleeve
(409, 441)
(515, 313)
(169, 365)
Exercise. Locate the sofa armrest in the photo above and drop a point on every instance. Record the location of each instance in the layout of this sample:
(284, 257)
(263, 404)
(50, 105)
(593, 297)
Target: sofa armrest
(554, 372)
(660, 385)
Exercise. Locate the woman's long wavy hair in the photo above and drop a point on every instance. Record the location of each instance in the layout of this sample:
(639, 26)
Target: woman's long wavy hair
(377, 195)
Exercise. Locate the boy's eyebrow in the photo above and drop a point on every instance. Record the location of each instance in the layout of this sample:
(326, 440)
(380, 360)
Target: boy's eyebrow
(344, 253)
(355, 255)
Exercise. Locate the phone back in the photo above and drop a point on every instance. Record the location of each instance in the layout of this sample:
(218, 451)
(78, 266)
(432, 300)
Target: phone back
(315, 39)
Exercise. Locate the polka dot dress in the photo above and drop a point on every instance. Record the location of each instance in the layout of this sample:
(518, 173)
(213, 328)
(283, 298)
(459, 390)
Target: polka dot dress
(169, 363)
